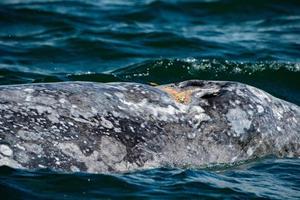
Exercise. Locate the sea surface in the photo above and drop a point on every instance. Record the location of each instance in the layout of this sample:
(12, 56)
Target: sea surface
(155, 42)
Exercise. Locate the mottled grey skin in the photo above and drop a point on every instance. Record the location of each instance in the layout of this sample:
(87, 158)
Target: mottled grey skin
(94, 127)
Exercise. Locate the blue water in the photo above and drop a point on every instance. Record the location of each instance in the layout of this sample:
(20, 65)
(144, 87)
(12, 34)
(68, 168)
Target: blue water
(264, 179)
(255, 42)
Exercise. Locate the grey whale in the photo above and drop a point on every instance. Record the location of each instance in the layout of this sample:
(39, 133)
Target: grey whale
(119, 127)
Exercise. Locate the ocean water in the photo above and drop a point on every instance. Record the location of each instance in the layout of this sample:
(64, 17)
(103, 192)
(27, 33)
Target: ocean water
(155, 42)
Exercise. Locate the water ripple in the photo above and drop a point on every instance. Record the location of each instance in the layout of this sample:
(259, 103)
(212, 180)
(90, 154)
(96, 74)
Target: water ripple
(261, 180)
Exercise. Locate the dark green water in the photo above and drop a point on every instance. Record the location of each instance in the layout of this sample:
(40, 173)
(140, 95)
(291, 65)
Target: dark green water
(256, 42)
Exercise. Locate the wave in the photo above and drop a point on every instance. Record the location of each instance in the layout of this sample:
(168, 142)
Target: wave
(278, 78)
(264, 179)
(39, 32)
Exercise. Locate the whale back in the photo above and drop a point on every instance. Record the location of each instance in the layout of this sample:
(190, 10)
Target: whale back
(96, 127)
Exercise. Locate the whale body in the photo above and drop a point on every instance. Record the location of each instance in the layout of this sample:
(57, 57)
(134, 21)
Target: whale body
(119, 127)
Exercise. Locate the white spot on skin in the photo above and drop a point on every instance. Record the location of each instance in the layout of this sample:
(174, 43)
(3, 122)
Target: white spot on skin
(34, 148)
(9, 162)
(295, 120)
(6, 150)
(121, 108)
(22, 157)
(201, 117)
(53, 117)
(278, 113)
(250, 112)
(74, 169)
(131, 128)
(62, 101)
(250, 151)
(94, 111)
(191, 135)
(232, 103)
(198, 115)
(30, 90)
(237, 101)
(164, 113)
(106, 123)
(28, 98)
(92, 162)
(112, 150)
(107, 94)
(260, 109)
(239, 92)
(41, 166)
(234, 159)
(117, 130)
(119, 95)
(278, 128)
(71, 123)
(238, 119)
(19, 147)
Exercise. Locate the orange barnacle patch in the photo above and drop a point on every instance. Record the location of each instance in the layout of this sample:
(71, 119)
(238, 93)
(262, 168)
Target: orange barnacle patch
(183, 97)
